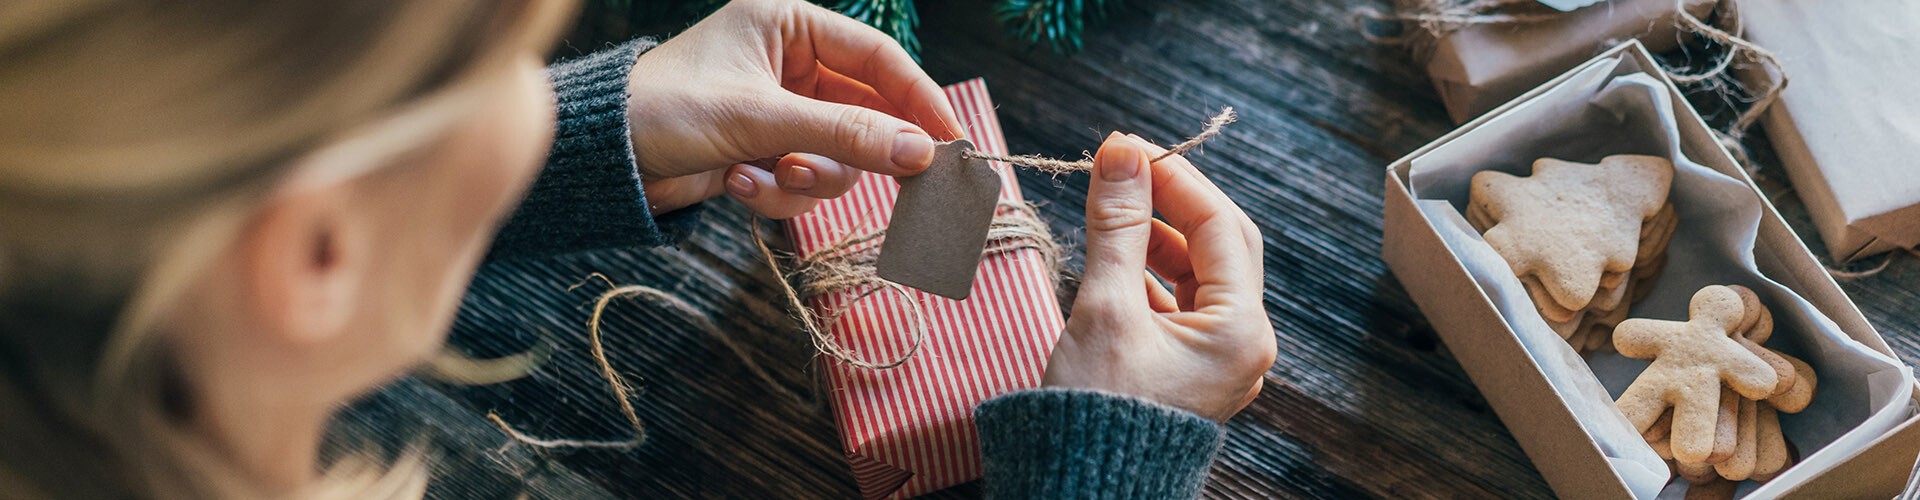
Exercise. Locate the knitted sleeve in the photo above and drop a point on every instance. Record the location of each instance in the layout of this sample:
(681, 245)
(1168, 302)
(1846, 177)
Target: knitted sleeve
(588, 195)
(1075, 444)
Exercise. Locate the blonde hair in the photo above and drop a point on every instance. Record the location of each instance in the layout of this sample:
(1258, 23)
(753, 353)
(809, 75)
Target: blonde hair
(135, 139)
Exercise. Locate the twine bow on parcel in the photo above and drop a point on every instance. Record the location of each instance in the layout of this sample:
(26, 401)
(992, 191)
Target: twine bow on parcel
(849, 263)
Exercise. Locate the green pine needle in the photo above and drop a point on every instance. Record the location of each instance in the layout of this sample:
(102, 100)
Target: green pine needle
(1058, 24)
(896, 18)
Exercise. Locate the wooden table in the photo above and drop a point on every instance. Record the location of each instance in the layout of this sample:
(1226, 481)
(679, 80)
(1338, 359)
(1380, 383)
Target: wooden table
(1362, 402)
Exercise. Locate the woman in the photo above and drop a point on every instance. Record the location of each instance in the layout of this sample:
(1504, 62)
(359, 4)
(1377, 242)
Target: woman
(220, 220)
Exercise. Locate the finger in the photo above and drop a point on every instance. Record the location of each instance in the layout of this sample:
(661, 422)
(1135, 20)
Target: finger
(1119, 215)
(863, 53)
(814, 176)
(674, 193)
(1252, 393)
(1226, 266)
(859, 137)
(1158, 297)
(755, 188)
(1167, 256)
(1256, 244)
(826, 85)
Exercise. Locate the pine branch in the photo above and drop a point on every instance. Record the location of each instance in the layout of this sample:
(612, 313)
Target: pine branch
(1056, 23)
(896, 18)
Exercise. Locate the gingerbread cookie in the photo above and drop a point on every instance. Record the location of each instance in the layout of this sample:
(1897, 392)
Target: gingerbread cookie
(1770, 444)
(1568, 224)
(1726, 428)
(1796, 388)
(1801, 394)
(1690, 360)
(1712, 489)
(1658, 431)
(1740, 466)
(1744, 331)
(1695, 473)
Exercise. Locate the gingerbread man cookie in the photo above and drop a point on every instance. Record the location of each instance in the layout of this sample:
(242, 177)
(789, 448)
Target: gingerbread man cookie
(1690, 361)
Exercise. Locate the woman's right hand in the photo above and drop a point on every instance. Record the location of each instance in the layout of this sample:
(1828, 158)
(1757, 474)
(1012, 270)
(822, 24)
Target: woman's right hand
(1201, 347)
(760, 80)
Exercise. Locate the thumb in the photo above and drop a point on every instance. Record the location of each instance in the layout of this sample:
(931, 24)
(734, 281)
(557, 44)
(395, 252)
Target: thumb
(1119, 217)
(863, 138)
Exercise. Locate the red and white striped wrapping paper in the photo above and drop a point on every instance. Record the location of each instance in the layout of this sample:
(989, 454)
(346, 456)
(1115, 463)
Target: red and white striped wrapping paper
(909, 430)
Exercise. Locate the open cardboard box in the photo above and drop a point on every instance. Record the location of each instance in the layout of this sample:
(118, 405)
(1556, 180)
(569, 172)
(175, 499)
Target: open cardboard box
(1515, 385)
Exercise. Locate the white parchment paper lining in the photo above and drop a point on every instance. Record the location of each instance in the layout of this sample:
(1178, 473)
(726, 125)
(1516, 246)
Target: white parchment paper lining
(1612, 107)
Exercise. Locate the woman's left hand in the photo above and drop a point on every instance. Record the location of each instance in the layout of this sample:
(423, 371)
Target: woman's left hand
(779, 103)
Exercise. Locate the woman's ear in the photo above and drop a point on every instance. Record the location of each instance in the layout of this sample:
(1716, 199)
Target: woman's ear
(304, 261)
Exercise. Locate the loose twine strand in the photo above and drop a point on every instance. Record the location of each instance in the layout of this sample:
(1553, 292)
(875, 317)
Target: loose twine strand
(617, 384)
(1056, 167)
(1844, 274)
(1437, 18)
(847, 264)
(1877, 269)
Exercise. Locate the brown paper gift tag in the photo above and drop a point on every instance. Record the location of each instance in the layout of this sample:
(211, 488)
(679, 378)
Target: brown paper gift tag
(940, 223)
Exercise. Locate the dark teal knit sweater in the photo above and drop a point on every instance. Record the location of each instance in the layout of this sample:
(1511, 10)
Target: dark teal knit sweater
(1042, 443)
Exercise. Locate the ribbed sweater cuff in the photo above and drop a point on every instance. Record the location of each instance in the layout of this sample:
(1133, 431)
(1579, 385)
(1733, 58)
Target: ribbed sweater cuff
(1059, 443)
(589, 194)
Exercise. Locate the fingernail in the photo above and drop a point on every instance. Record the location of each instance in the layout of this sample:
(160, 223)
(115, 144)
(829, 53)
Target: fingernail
(912, 152)
(741, 186)
(800, 178)
(1120, 164)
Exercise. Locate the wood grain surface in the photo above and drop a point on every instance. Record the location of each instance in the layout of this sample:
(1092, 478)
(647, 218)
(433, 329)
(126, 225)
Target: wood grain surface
(1363, 401)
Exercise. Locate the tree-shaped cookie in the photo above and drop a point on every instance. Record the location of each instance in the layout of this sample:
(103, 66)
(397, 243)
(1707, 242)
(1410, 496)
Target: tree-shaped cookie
(1570, 223)
(1690, 361)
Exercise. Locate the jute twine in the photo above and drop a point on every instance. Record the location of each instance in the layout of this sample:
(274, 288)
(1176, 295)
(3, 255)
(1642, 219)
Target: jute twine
(847, 264)
(1846, 274)
(1052, 166)
(621, 390)
(1437, 18)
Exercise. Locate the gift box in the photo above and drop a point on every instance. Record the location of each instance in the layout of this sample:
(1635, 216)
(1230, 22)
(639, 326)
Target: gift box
(1848, 125)
(1479, 66)
(908, 430)
(1859, 437)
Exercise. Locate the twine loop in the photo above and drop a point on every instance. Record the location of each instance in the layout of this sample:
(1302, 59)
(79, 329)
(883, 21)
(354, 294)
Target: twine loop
(849, 264)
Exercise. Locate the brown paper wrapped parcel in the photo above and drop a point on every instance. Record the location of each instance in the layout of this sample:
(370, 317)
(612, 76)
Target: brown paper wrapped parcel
(1848, 126)
(1481, 66)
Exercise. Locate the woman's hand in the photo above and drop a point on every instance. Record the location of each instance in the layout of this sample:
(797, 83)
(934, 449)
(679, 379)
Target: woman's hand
(720, 107)
(1201, 347)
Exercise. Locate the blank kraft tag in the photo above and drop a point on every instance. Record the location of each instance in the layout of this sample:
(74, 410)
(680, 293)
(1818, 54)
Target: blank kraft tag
(940, 223)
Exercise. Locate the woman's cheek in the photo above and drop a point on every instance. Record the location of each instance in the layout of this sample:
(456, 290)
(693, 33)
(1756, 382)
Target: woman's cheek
(515, 138)
(489, 165)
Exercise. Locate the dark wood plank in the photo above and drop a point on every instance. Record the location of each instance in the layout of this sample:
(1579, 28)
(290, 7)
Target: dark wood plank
(1363, 402)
